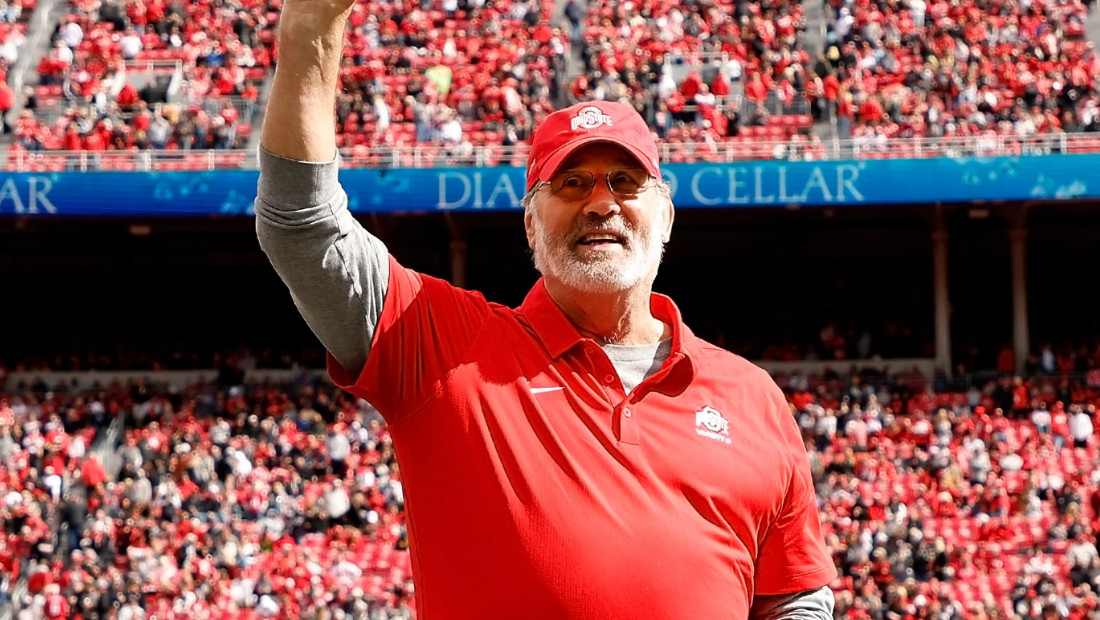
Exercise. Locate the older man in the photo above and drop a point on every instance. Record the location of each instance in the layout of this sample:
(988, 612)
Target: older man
(612, 464)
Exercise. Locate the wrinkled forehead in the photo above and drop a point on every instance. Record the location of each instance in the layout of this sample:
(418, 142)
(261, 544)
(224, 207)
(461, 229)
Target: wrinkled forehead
(602, 155)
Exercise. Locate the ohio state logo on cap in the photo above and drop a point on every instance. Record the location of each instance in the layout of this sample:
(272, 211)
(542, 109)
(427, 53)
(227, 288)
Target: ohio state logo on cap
(590, 118)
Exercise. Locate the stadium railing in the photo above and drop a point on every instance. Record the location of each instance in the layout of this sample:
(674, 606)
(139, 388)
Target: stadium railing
(430, 156)
(21, 380)
(51, 110)
(877, 372)
(149, 65)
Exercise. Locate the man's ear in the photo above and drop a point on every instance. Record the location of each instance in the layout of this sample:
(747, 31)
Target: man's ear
(529, 223)
(670, 215)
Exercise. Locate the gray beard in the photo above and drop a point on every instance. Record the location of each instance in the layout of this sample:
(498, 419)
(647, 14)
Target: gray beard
(555, 258)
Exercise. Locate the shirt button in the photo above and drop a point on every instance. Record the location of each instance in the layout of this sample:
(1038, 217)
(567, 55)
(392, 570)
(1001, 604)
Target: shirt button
(609, 379)
(627, 413)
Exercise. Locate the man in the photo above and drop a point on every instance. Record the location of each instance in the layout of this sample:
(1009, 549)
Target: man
(583, 455)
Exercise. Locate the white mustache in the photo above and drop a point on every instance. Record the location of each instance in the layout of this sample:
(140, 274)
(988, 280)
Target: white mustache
(615, 225)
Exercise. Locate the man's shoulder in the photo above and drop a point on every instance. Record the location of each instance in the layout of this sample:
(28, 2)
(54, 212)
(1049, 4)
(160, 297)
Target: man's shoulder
(716, 360)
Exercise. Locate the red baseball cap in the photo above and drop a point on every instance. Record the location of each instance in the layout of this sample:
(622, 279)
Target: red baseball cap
(567, 130)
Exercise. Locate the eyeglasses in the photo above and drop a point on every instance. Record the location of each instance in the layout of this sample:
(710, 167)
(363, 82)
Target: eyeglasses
(577, 184)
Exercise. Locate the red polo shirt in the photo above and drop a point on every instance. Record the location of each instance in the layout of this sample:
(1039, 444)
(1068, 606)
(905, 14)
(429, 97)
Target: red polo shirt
(537, 488)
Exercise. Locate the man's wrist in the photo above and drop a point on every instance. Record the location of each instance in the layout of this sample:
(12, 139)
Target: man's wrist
(301, 23)
(310, 49)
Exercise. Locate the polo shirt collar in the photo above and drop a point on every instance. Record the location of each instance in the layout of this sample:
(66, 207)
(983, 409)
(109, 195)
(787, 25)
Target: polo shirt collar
(558, 334)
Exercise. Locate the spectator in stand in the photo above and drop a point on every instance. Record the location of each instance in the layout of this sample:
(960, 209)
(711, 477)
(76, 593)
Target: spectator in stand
(1080, 427)
(1088, 574)
(448, 128)
(1083, 552)
(1041, 418)
(7, 101)
(575, 12)
(130, 44)
(159, 131)
(71, 33)
(10, 11)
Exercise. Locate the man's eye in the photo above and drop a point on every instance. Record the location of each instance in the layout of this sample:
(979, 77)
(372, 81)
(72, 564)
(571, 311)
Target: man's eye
(622, 181)
(572, 181)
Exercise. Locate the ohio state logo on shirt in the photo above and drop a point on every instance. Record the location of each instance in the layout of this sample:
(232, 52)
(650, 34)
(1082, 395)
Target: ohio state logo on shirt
(709, 422)
(590, 118)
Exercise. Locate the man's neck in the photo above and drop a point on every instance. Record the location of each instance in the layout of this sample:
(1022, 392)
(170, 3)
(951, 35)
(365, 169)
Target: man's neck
(622, 317)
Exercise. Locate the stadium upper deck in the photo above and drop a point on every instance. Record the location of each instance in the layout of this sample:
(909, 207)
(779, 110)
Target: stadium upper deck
(452, 78)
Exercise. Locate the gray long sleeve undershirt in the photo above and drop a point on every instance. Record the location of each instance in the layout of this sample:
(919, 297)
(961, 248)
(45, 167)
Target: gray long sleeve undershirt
(810, 605)
(337, 273)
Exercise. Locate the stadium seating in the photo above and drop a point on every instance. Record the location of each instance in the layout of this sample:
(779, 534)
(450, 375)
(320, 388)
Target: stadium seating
(930, 500)
(744, 64)
(466, 84)
(248, 526)
(961, 69)
(447, 78)
(98, 53)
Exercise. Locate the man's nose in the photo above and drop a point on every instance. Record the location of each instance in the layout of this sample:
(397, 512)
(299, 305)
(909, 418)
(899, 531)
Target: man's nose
(601, 201)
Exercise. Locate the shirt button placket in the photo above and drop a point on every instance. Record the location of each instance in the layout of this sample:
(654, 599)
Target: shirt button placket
(628, 427)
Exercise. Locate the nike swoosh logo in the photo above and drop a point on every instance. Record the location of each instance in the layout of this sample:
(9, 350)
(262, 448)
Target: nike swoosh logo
(535, 390)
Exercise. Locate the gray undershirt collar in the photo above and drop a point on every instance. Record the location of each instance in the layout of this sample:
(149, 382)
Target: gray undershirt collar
(636, 362)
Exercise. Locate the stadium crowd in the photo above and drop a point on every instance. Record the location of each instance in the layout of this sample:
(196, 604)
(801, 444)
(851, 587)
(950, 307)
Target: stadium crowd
(285, 501)
(715, 79)
(750, 51)
(86, 97)
(265, 503)
(933, 68)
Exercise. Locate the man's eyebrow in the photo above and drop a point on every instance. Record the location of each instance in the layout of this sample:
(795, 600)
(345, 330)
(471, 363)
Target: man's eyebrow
(617, 163)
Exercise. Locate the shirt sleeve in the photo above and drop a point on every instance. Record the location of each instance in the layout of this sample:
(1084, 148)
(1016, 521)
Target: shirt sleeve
(793, 557)
(426, 330)
(809, 605)
(335, 270)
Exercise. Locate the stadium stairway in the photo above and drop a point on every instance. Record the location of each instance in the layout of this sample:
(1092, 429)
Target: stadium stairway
(574, 64)
(1092, 25)
(252, 147)
(815, 41)
(41, 24)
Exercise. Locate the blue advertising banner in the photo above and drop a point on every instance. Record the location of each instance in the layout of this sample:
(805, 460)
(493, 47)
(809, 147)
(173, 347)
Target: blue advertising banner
(738, 184)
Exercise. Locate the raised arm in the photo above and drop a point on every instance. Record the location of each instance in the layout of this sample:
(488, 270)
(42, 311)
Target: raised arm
(300, 118)
(336, 271)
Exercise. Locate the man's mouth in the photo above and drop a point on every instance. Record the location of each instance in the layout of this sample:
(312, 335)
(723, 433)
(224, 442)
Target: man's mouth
(603, 238)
